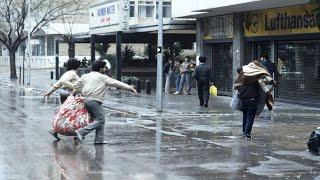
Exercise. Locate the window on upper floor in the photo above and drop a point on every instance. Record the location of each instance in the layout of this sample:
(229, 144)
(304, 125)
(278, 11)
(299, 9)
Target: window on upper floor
(145, 9)
(166, 9)
(132, 8)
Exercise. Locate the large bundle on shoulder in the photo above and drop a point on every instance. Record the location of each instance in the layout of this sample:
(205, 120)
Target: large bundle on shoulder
(71, 116)
(253, 72)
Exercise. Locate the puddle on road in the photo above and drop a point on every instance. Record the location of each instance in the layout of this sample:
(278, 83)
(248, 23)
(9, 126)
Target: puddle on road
(275, 167)
(303, 154)
(226, 167)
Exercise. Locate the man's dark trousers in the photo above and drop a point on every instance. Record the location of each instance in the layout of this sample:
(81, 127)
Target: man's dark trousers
(203, 91)
(249, 109)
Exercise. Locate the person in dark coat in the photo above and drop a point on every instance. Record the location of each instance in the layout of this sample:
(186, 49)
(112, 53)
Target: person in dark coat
(167, 71)
(202, 74)
(249, 99)
(271, 67)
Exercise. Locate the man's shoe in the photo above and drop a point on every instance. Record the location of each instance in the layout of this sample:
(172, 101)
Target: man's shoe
(247, 136)
(54, 134)
(100, 143)
(176, 93)
(206, 105)
(78, 137)
(200, 104)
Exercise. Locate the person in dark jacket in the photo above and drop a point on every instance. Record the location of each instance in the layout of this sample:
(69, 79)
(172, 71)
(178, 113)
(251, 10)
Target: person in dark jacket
(249, 99)
(271, 67)
(167, 71)
(202, 74)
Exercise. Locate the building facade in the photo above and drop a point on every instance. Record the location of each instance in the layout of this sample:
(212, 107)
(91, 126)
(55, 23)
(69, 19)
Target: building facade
(288, 33)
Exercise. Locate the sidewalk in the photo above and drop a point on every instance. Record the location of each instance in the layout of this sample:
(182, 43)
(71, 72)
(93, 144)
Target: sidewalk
(145, 105)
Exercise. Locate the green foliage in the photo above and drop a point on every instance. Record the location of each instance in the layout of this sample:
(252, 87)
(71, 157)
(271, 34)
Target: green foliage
(172, 51)
(102, 49)
(127, 53)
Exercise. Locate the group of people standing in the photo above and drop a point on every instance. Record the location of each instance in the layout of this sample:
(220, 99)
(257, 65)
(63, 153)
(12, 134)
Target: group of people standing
(184, 74)
(179, 73)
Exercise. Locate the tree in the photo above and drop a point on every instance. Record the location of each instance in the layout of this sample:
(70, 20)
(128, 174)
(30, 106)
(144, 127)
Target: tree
(13, 17)
(102, 49)
(70, 25)
(127, 53)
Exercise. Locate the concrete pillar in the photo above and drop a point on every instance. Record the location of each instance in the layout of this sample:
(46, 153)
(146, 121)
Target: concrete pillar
(46, 45)
(93, 48)
(199, 40)
(273, 52)
(238, 43)
(136, 7)
(119, 60)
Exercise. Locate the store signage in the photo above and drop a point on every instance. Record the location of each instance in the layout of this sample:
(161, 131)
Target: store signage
(282, 21)
(218, 27)
(109, 16)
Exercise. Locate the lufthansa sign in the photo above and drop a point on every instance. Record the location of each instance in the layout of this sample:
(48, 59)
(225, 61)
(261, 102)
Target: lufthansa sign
(282, 21)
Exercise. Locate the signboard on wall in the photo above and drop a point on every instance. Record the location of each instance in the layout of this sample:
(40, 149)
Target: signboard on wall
(282, 21)
(109, 16)
(218, 27)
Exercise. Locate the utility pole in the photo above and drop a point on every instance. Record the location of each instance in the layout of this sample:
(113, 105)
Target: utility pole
(159, 94)
(28, 46)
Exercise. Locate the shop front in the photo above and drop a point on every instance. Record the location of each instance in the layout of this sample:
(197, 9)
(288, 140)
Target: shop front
(290, 36)
(217, 37)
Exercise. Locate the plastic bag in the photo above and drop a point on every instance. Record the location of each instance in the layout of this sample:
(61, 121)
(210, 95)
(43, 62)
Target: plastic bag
(235, 103)
(213, 90)
(71, 116)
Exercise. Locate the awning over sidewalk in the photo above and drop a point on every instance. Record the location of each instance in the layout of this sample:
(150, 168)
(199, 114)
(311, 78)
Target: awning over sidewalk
(224, 8)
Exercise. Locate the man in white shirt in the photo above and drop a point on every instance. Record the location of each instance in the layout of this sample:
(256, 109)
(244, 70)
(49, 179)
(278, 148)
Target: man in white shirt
(93, 87)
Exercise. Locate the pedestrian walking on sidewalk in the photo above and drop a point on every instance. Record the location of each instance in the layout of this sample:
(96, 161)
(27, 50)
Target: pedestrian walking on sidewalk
(249, 96)
(167, 71)
(66, 82)
(203, 75)
(93, 87)
(254, 85)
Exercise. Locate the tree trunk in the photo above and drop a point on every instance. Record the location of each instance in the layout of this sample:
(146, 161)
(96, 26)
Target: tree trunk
(71, 50)
(13, 73)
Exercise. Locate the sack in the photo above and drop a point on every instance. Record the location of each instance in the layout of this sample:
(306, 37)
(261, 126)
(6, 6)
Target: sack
(71, 116)
(235, 103)
(213, 90)
(314, 141)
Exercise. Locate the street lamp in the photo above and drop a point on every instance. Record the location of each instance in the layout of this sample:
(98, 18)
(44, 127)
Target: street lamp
(159, 94)
(28, 43)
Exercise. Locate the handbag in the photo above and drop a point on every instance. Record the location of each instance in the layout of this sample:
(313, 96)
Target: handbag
(235, 103)
(72, 115)
(213, 90)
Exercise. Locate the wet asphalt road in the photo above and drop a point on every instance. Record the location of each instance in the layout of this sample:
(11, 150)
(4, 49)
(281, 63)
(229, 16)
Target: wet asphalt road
(151, 147)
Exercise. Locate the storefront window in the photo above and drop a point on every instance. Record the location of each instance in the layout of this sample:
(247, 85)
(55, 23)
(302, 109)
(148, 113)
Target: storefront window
(298, 64)
(262, 48)
(222, 67)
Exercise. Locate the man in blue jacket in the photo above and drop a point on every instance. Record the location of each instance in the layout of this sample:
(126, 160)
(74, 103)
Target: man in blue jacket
(271, 67)
(202, 74)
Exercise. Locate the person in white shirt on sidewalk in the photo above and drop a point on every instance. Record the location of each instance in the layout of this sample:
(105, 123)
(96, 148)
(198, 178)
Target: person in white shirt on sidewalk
(93, 87)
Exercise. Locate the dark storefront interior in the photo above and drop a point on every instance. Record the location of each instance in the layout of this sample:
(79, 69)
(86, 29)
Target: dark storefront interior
(222, 67)
(298, 63)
